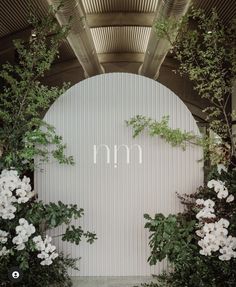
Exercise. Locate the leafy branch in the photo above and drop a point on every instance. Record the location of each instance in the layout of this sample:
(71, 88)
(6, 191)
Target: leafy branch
(24, 98)
(206, 51)
(53, 215)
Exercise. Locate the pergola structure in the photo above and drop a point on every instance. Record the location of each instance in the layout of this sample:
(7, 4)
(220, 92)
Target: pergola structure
(109, 36)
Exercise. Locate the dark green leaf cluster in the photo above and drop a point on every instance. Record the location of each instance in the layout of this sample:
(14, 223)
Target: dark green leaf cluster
(171, 237)
(54, 276)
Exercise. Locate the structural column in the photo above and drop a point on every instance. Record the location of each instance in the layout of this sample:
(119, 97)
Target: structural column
(79, 37)
(157, 49)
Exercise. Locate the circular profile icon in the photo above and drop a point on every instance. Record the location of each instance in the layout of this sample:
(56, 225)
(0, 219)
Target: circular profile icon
(15, 274)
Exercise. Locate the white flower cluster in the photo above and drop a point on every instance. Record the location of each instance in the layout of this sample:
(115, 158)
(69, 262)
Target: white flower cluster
(47, 250)
(215, 238)
(3, 240)
(3, 236)
(23, 231)
(214, 235)
(208, 209)
(220, 189)
(4, 251)
(12, 190)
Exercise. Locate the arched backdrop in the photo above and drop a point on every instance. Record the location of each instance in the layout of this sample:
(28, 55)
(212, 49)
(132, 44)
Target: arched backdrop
(117, 178)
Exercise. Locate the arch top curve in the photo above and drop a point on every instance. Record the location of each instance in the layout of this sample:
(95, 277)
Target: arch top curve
(128, 80)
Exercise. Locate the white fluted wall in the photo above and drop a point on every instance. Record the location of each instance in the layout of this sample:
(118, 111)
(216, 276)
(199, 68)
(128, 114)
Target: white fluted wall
(115, 198)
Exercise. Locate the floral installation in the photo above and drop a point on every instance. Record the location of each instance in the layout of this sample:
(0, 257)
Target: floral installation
(214, 232)
(23, 224)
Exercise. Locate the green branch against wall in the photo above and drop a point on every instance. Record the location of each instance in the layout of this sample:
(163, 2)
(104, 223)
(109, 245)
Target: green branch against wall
(175, 137)
(161, 128)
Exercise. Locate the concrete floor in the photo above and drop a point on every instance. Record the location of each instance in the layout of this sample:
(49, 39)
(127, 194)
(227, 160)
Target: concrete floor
(110, 281)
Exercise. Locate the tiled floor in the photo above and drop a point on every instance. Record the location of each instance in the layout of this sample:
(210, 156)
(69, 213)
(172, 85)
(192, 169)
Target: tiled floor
(110, 281)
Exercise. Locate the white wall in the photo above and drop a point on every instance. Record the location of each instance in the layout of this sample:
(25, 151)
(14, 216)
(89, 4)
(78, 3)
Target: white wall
(115, 198)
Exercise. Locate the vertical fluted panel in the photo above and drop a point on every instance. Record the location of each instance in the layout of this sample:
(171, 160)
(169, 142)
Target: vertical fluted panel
(115, 198)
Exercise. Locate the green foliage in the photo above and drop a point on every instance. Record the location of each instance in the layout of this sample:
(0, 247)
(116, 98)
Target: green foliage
(176, 137)
(24, 136)
(173, 136)
(74, 234)
(53, 215)
(44, 217)
(24, 98)
(173, 237)
(55, 276)
(206, 51)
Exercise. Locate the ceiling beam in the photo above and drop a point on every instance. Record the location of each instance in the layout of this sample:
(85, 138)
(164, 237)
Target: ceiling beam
(158, 47)
(79, 37)
(121, 57)
(120, 19)
(64, 66)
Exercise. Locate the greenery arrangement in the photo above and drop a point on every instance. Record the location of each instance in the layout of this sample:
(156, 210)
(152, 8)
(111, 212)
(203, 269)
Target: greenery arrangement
(25, 221)
(200, 243)
(23, 99)
(207, 55)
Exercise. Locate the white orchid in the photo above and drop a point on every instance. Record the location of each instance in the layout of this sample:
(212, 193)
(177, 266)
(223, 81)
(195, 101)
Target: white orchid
(230, 198)
(219, 188)
(214, 237)
(3, 236)
(24, 230)
(12, 190)
(46, 249)
(206, 213)
(221, 167)
(4, 251)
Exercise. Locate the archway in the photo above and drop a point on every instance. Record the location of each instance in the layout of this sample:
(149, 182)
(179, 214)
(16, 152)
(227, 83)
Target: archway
(117, 178)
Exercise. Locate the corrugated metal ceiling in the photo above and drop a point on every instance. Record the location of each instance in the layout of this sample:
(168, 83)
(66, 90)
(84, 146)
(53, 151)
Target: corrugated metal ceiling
(14, 15)
(121, 39)
(226, 9)
(109, 6)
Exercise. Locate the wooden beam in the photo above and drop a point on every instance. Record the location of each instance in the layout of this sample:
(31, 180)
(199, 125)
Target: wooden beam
(120, 19)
